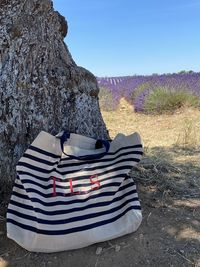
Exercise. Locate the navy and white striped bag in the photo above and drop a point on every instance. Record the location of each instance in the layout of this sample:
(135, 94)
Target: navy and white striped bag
(72, 191)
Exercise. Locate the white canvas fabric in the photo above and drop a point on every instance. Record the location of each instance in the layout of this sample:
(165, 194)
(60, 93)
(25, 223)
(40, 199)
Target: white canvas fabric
(61, 202)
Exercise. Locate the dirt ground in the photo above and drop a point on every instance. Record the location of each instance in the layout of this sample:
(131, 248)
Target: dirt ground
(168, 180)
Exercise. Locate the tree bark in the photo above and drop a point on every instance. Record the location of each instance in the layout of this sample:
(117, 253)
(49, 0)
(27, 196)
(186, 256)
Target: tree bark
(41, 87)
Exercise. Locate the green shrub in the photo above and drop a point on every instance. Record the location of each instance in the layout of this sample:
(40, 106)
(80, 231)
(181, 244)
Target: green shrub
(139, 89)
(163, 99)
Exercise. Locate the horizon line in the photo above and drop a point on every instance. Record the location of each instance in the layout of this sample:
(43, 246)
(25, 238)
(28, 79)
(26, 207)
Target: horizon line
(153, 74)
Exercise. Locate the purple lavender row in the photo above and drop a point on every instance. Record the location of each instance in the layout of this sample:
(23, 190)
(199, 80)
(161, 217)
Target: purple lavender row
(136, 89)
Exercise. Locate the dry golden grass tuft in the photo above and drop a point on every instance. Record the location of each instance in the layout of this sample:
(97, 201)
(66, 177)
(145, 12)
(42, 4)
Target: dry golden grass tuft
(180, 128)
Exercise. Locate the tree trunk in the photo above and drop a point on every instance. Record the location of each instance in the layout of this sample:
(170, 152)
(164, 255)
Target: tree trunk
(41, 87)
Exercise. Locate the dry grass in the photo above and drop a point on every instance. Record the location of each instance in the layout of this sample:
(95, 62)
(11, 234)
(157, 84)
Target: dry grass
(171, 163)
(182, 128)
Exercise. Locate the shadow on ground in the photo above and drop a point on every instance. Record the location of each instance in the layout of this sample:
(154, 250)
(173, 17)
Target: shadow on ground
(168, 182)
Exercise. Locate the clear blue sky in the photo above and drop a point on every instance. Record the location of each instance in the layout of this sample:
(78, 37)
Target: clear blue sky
(126, 37)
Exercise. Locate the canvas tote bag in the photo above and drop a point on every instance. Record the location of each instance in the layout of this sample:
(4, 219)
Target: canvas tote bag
(70, 194)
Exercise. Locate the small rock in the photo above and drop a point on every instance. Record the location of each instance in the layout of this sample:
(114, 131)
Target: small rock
(117, 248)
(99, 250)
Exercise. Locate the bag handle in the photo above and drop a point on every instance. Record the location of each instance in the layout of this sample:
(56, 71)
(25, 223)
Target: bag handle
(105, 143)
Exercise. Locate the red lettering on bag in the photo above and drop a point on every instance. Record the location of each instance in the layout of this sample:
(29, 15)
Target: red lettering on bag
(72, 189)
(93, 181)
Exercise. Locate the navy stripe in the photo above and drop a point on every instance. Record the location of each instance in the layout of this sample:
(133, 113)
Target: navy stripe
(72, 219)
(20, 186)
(73, 164)
(40, 160)
(41, 151)
(109, 153)
(38, 169)
(74, 201)
(33, 175)
(83, 208)
(99, 167)
(72, 230)
(101, 161)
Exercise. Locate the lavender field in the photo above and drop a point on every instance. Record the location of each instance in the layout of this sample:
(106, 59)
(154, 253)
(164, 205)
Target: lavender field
(150, 94)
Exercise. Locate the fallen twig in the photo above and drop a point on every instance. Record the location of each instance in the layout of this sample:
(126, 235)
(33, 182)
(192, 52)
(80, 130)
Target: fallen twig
(184, 257)
(148, 217)
(19, 258)
(97, 260)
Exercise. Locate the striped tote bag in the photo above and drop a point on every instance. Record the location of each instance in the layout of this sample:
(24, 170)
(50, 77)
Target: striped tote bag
(72, 191)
